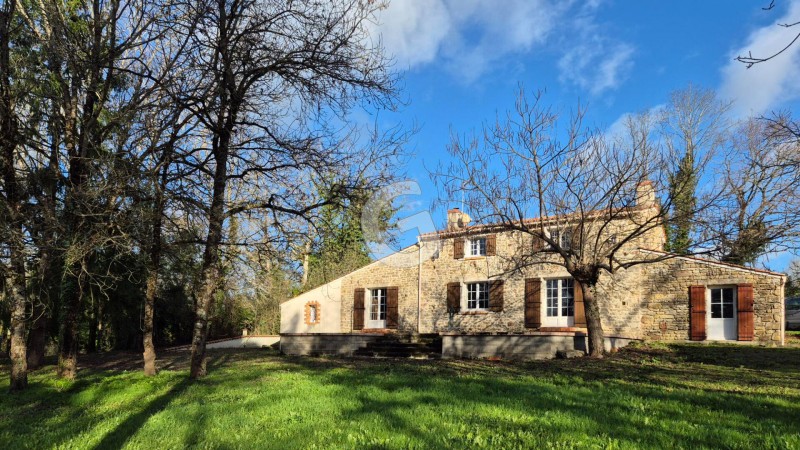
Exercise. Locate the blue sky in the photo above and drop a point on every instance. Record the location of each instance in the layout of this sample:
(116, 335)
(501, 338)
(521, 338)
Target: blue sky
(462, 61)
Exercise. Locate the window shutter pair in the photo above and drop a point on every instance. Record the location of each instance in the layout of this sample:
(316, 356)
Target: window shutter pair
(392, 314)
(697, 323)
(491, 246)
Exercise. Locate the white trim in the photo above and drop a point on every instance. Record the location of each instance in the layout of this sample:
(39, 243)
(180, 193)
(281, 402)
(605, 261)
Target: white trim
(465, 295)
(714, 263)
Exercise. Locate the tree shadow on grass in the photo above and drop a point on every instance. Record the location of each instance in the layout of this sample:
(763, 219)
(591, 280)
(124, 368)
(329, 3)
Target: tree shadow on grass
(129, 426)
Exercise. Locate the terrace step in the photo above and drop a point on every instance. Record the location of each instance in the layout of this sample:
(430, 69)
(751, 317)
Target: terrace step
(403, 347)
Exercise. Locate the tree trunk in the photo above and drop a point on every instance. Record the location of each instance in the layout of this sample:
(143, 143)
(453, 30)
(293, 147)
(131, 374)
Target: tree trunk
(68, 341)
(37, 337)
(13, 205)
(210, 272)
(593, 321)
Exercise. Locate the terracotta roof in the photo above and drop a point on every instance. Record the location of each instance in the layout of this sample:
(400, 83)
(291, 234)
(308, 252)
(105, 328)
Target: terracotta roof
(500, 226)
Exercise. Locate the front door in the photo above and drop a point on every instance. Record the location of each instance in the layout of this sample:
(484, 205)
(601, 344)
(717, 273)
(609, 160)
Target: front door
(560, 306)
(722, 314)
(376, 312)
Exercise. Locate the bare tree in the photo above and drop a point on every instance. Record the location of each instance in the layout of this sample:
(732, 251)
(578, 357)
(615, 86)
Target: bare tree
(749, 60)
(597, 202)
(759, 212)
(693, 127)
(274, 83)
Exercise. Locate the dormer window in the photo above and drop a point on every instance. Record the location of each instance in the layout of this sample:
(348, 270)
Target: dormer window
(477, 247)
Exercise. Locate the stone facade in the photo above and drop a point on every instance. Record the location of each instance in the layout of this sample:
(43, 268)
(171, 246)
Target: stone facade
(665, 305)
(648, 301)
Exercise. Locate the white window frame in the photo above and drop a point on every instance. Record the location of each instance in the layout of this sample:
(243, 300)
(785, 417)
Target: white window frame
(481, 293)
(564, 238)
(476, 247)
(721, 303)
(379, 313)
(555, 307)
(313, 314)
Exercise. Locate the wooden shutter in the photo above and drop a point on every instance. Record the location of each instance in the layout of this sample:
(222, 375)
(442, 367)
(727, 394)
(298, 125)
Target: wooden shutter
(358, 309)
(697, 303)
(458, 248)
(491, 245)
(744, 300)
(533, 303)
(453, 297)
(538, 243)
(392, 315)
(580, 312)
(496, 295)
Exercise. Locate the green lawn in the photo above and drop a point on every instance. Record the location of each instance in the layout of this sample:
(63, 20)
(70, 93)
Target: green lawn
(680, 396)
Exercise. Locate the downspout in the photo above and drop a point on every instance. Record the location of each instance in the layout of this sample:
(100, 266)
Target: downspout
(783, 310)
(419, 285)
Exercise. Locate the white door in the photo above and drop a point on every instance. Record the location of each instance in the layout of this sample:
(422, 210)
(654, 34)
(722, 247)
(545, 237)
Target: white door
(722, 314)
(376, 310)
(559, 308)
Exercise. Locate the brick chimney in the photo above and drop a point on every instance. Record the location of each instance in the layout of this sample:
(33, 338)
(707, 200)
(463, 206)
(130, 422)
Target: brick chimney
(645, 194)
(457, 220)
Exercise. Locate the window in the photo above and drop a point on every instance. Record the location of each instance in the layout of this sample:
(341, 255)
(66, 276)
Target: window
(312, 313)
(560, 298)
(477, 247)
(478, 295)
(564, 238)
(377, 305)
(722, 303)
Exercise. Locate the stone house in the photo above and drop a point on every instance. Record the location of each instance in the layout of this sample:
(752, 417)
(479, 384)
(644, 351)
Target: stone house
(464, 285)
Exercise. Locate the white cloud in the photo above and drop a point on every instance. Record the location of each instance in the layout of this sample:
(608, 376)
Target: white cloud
(766, 85)
(597, 66)
(470, 36)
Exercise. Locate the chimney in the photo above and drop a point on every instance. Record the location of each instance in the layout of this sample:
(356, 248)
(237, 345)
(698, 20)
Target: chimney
(645, 194)
(457, 220)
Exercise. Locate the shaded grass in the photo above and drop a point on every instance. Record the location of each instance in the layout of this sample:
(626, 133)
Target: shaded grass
(676, 396)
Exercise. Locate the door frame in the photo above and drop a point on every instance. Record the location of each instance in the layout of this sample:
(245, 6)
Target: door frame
(734, 324)
(368, 322)
(559, 320)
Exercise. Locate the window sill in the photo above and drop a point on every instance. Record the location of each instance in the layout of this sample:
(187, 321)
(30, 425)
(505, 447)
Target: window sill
(480, 312)
(473, 258)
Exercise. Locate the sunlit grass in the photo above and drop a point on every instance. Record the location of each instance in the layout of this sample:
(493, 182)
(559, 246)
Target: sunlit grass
(668, 396)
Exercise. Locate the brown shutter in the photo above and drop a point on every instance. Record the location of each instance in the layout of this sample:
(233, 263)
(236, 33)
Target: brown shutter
(580, 314)
(453, 297)
(496, 295)
(491, 245)
(744, 300)
(533, 303)
(358, 309)
(538, 243)
(392, 315)
(697, 302)
(458, 248)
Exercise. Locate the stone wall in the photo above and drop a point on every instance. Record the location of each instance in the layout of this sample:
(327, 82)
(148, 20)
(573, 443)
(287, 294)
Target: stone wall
(399, 269)
(666, 298)
(324, 344)
(620, 297)
(519, 347)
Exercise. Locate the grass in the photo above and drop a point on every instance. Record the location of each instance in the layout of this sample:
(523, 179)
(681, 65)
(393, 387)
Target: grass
(676, 396)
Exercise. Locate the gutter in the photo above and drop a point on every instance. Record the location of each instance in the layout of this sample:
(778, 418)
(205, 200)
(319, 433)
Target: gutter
(783, 311)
